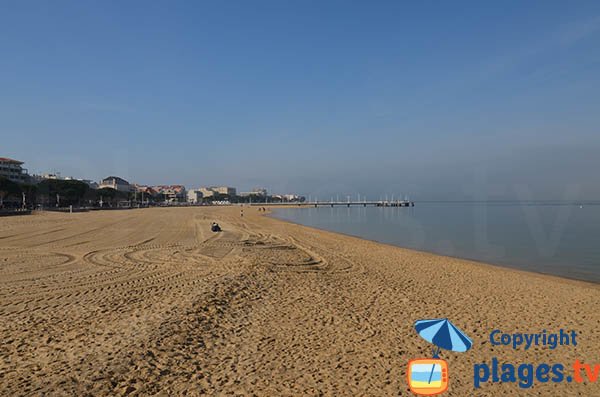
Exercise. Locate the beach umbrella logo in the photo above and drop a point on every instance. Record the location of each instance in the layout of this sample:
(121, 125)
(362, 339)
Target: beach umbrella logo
(429, 376)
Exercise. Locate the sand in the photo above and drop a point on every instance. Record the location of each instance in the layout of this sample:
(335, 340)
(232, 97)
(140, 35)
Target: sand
(150, 302)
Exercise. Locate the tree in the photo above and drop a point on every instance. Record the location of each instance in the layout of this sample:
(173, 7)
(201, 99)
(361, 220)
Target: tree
(62, 193)
(31, 192)
(8, 188)
(111, 196)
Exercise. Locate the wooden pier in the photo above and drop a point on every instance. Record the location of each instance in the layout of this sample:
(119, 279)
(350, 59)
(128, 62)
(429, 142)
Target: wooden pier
(398, 203)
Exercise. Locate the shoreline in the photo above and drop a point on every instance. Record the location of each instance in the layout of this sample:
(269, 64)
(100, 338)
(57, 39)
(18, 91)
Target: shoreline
(595, 284)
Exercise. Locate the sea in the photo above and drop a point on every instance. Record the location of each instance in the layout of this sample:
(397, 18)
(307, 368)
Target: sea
(556, 238)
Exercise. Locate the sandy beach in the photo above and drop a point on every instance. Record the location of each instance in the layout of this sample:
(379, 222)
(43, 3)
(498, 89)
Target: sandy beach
(151, 302)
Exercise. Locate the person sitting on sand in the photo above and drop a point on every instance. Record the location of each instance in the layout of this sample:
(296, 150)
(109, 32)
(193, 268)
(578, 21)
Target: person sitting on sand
(215, 227)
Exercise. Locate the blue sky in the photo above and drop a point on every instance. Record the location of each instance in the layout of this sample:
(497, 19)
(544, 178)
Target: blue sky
(431, 99)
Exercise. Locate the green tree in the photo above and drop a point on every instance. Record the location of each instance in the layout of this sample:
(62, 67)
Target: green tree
(110, 196)
(8, 189)
(31, 192)
(62, 193)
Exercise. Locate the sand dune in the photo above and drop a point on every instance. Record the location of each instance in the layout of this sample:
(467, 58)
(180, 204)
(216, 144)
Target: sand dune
(150, 302)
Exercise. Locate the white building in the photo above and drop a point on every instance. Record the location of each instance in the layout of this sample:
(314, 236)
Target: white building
(217, 190)
(194, 196)
(292, 197)
(255, 193)
(114, 182)
(12, 170)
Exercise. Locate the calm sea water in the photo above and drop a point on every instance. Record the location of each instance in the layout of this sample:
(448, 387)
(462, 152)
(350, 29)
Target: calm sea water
(553, 238)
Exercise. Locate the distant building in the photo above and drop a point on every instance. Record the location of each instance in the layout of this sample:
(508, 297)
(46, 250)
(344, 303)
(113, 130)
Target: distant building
(145, 193)
(50, 176)
(225, 190)
(13, 170)
(171, 193)
(194, 196)
(292, 197)
(39, 178)
(145, 189)
(206, 192)
(88, 182)
(114, 182)
(212, 191)
(288, 198)
(258, 193)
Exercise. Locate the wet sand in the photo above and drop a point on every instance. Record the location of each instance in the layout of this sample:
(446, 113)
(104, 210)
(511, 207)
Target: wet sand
(150, 302)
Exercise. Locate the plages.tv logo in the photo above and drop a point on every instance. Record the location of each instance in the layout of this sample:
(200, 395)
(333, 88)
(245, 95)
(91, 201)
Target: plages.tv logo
(429, 376)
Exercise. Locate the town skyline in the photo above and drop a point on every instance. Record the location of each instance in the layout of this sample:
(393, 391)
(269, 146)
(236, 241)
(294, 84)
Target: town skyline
(14, 171)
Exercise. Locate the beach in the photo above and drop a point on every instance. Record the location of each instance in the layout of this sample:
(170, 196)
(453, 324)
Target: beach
(151, 302)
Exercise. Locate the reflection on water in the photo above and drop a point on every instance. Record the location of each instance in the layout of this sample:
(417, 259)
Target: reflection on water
(554, 238)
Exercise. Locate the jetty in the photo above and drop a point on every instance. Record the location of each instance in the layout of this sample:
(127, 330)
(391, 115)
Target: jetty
(361, 203)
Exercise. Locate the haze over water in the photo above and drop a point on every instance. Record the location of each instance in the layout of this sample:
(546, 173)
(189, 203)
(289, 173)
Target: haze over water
(553, 238)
